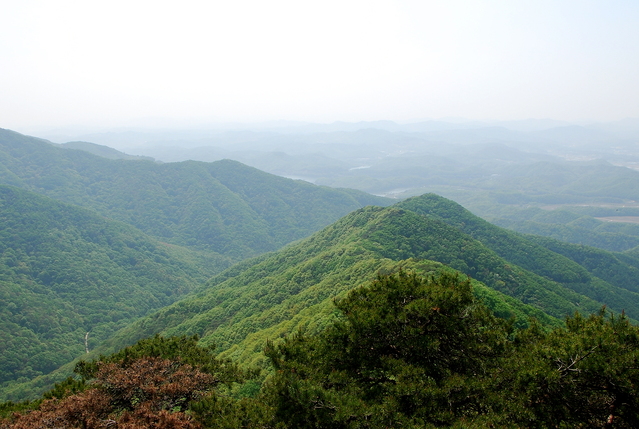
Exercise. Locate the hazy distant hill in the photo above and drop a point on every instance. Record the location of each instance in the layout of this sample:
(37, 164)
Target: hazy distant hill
(66, 271)
(103, 151)
(343, 147)
(570, 226)
(276, 294)
(224, 206)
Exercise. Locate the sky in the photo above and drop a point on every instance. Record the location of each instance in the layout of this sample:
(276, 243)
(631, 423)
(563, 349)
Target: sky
(121, 63)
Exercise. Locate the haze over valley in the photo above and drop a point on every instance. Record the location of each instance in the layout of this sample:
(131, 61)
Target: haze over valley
(511, 172)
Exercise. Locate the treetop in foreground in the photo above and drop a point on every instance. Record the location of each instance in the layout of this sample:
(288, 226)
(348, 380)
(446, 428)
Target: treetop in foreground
(405, 351)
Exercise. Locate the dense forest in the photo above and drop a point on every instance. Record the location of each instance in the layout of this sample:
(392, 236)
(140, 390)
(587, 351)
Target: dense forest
(213, 294)
(404, 351)
(276, 294)
(88, 243)
(225, 207)
(71, 278)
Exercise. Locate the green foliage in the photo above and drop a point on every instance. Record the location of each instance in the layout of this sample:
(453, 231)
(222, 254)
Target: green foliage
(573, 224)
(275, 295)
(406, 349)
(76, 265)
(415, 352)
(224, 412)
(615, 268)
(183, 349)
(424, 353)
(66, 272)
(96, 275)
(223, 206)
(595, 237)
(70, 386)
(7, 409)
(600, 276)
(582, 375)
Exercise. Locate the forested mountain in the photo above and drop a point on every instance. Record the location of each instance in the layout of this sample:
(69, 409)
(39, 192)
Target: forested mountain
(503, 171)
(577, 225)
(96, 269)
(546, 257)
(224, 206)
(103, 151)
(69, 278)
(542, 163)
(276, 294)
(501, 181)
(68, 270)
(402, 351)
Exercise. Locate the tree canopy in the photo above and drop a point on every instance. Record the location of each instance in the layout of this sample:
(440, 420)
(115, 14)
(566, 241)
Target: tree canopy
(406, 351)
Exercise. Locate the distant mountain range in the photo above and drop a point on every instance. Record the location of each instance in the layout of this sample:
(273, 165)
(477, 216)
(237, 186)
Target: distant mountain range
(225, 207)
(135, 135)
(401, 160)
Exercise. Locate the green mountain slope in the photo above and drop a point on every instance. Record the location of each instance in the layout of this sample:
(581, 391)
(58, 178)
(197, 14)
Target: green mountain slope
(103, 151)
(575, 225)
(276, 294)
(223, 206)
(616, 268)
(270, 296)
(66, 271)
(597, 281)
(614, 242)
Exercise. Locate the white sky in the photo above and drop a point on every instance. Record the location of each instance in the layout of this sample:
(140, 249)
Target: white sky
(111, 63)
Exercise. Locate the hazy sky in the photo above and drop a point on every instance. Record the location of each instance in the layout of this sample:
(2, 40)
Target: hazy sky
(114, 62)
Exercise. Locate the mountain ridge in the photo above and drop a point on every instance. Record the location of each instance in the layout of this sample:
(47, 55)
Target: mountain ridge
(69, 278)
(293, 287)
(186, 203)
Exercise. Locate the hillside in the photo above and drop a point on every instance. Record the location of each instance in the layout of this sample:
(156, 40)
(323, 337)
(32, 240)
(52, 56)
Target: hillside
(403, 351)
(66, 271)
(229, 212)
(223, 206)
(276, 294)
(103, 151)
(544, 256)
(577, 225)
(513, 176)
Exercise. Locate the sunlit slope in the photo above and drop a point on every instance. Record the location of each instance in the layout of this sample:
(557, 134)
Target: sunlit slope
(66, 271)
(277, 293)
(605, 277)
(222, 206)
